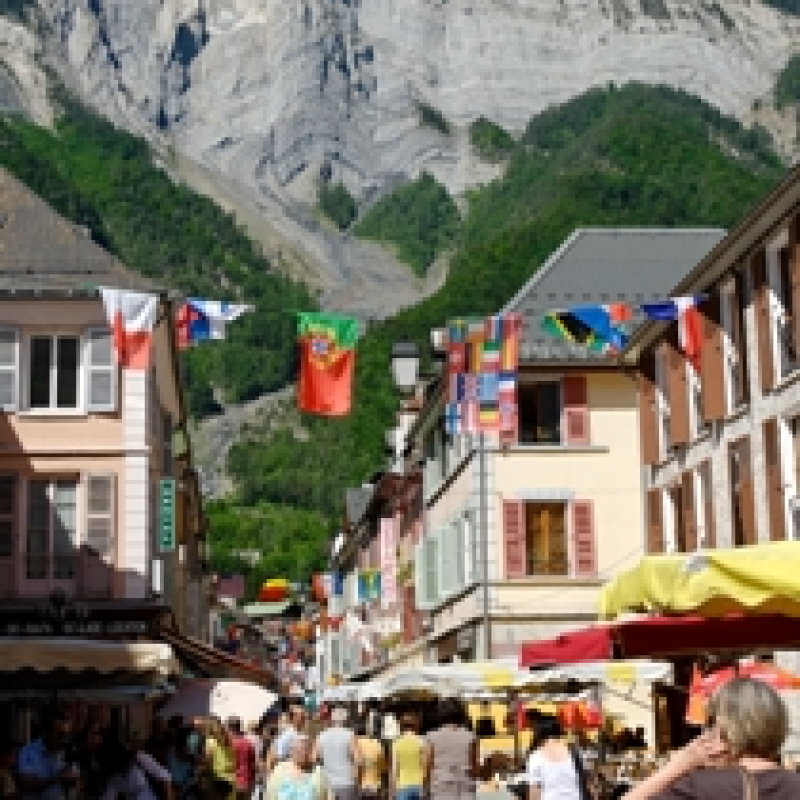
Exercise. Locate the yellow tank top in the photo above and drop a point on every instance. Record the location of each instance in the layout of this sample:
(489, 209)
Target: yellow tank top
(372, 763)
(409, 757)
(223, 762)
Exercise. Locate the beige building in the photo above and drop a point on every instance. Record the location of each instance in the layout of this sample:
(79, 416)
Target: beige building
(88, 450)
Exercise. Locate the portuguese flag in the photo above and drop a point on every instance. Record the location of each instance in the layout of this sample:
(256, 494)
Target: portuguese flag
(327, 356)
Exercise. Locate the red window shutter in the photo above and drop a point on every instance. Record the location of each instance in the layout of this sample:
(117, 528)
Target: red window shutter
(772, 457)
(655, 522)
(408, 615)
(648, 420)
(576, 409)
(514, 538)
(763, 321)
(794, 273)
(584, 539)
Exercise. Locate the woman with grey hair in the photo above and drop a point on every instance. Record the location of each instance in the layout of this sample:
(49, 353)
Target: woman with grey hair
(737, 756)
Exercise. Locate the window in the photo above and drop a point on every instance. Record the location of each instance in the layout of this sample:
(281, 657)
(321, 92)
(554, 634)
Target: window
(8, 515)
(546, 539)
(780, 271)
(100, 513)
(54, 369)
(732, 297)
(742, 493)
(101, 371)
(662, 402)
(696, 419)
(539, 412)
(8, 369)
(51, 537)
(675, 538)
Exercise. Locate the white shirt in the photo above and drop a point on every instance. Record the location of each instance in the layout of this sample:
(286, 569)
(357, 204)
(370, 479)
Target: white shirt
(134, 784)
(558, 780)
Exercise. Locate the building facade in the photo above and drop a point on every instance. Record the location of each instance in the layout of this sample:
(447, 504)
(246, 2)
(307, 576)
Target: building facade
(720, 440)
(89, 452)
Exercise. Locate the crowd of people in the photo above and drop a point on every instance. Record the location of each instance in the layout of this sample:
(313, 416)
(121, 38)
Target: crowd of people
(334, 756)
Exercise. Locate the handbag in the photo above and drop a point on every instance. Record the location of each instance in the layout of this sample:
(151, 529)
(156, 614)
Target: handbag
(583, 778)
(750, 787)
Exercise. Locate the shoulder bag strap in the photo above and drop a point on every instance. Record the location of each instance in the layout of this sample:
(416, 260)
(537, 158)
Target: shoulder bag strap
(750, 787)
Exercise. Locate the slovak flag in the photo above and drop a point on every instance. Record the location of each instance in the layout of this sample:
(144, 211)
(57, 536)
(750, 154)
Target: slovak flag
(131, 316)
(686, 311)
(206, 319)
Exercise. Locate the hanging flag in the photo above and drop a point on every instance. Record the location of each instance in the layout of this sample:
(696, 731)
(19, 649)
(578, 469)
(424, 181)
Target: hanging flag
(369, 585)
(690, 330)
(565, 325)
(607, 321)
(327, 359)
(453, 422)
(204, 320)
(388, 560)
(337, 584)
(131, 316)
(669, 310)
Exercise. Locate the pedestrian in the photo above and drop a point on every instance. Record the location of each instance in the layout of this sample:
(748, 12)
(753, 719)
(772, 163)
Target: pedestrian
(220, 760)
(41, 768)
(89, 755)
(373, 764)
(8, 761)
(409, 755)
(453, 754)
(747, 726)
(295, 724)
(244, 753)
(294, 778)
(554, 769)
(337, 751)
(134, 774)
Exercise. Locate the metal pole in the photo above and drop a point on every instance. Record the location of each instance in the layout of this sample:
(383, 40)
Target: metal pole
(482, 489)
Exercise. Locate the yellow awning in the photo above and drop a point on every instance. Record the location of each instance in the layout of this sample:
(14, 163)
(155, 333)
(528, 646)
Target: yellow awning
(762, 579)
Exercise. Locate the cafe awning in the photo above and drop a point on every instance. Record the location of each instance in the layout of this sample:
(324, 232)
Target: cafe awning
(209, 662)
(585, 644)
(761, 579)
(79, 655)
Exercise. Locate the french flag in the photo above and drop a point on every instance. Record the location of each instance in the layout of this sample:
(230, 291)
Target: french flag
(131, 316)
(690, 329)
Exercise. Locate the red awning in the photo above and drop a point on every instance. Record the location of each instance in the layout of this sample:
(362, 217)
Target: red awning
(655, 637)
(584, 644)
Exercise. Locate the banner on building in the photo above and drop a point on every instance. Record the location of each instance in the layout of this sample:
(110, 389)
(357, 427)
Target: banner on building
(388, 561)
(131, 317)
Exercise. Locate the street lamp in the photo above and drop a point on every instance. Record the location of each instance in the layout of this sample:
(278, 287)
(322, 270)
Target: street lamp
(405, 365)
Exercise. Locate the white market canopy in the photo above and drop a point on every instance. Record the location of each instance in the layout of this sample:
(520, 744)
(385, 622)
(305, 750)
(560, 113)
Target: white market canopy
(479, 679)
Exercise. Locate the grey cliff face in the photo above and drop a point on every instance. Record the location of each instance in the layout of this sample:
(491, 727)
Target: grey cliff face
(276, 95)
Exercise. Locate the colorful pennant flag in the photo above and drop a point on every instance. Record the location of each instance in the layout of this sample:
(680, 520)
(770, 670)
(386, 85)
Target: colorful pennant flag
(327, 359)
(204, 320)
(685, 310)
(669, 310)
(131, 316)
(565, 325)
(369, 585)
(607, 321)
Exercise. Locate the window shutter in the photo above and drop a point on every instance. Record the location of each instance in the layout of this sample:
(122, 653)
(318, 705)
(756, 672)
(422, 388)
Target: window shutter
(774, 478)
(688, 511)
(446, 582)
(655, 522)
(739, 299)
(763, 324)
(678, 390)
(419, 573)
(9, 369)
(584, 539)
(648, 416)
(746, 492)
(431, 586)
(514, 537)
(8, 518)
(101, 371)
(576, 410)
(708, 497)
(712, 361)
(409, 613)
(794, 273)
(100, 513)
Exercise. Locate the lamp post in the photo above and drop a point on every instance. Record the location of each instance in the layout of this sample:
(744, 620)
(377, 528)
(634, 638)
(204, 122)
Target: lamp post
(405, 365)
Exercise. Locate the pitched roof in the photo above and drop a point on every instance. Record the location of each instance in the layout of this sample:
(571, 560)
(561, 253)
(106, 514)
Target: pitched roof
(43, 252)
(605, 265)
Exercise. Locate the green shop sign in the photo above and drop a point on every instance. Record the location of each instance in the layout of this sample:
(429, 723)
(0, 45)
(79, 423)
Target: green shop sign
(166, 516)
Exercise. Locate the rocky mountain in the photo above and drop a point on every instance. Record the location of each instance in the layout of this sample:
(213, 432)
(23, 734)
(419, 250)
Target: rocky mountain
(262, 99)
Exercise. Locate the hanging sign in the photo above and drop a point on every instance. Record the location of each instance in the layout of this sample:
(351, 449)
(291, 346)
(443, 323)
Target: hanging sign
(166, 515)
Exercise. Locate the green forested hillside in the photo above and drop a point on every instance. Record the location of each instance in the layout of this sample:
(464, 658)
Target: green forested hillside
(632, 156)
(418, 219)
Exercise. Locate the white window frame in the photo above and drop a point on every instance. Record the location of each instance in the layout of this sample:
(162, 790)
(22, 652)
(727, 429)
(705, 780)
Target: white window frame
(13, 369)
(52, 408)
(777, 310)
(790, 485)
(49, 581)
(727, 292)
(669, 521)
(110, 515)
(663, 411)
(87, 369)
